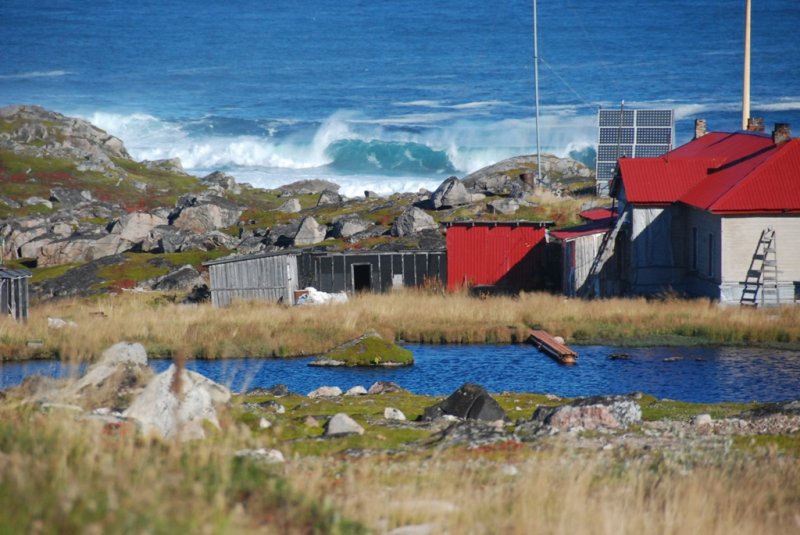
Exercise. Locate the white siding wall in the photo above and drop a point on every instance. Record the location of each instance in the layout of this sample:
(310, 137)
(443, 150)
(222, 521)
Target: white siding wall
(740, 235)
(702, 243)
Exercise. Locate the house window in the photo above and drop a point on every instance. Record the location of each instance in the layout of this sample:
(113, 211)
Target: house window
(710, 255)
(694, 248)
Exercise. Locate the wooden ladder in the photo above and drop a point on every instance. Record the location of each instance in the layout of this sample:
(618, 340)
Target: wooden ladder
(763, 273)
(605, 250)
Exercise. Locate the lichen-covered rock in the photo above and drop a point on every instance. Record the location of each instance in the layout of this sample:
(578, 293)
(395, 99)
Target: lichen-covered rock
(591, 413)
(325, 392)
(310, 232)
(370, 349)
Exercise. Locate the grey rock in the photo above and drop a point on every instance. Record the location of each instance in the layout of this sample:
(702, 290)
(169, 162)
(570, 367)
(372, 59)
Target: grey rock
(184, 278)
(356, 391)
(450, 193)
(159, 409)
(34, 201)
(70, 197)
(170, 165)
(371, 195)
(342, 424)
(702, 420)
(591, 413)
(76, 281)
(278, 390)
(11, 203)
(348, 225)
(470, 401)
(503, 206)
(264, 455)
(325, 392)
(291, 206)
(390, 413)
(136, 226)
(385, 387)
(310, 232)
(412, 221)
(329, 198)
(223, 180)
(473, 434)
(307, 187)
(201, 214)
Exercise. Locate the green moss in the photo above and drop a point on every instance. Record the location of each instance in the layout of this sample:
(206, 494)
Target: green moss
(786, 444)
(662, 409)
(50, 272)
(371, 350)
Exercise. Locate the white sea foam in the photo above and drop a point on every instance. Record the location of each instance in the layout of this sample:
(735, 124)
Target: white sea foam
(276, 158)
(34, 74)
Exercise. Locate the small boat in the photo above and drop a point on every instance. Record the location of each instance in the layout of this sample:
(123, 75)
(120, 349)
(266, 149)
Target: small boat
(546, 343)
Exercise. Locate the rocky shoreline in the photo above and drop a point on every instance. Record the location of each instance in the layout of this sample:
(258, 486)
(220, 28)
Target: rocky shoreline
(77, 201)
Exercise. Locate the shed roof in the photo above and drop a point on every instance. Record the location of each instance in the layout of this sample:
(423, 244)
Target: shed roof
(597, 226)
(518, 223)
(741, 172)
(7, 273)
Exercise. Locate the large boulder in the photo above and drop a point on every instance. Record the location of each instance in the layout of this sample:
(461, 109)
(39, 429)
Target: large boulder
(503, 206)
(201, 214)
(345, 226)
(310, 232)
(341, 424)
(223, 181)
(178, 404)
(329, 198)
(307, 187)
(450, 193)
(290, 206)
(412, 221)
(184, 278)
(470, 401)
(136, 226)
(591, 413)
(67, 197)
(77, 248)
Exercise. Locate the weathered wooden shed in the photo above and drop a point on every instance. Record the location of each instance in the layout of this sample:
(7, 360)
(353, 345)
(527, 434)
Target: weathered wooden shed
(375, 271)
(14, 293)
(267, 276)
(276, 276)
(509, 256)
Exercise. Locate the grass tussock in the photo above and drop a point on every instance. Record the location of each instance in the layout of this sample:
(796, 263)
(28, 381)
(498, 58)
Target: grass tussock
(59, 475)
(265, 329)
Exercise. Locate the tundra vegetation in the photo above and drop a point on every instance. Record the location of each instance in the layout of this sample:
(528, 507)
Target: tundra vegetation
(63, 470)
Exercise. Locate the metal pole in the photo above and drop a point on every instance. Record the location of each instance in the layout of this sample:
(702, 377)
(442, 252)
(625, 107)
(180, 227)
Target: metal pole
(746, 81)
(536, 90)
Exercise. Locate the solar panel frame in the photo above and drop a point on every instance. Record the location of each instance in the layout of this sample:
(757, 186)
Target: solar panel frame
(630, 133)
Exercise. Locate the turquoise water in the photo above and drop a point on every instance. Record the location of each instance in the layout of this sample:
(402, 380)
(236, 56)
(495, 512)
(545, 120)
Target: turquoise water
(386, 95)
(701, 374)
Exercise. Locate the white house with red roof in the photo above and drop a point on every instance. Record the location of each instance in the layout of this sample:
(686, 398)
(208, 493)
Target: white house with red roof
(718, 217)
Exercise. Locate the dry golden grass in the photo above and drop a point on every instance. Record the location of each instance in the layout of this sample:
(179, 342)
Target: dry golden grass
(264, 329)
(561, 493)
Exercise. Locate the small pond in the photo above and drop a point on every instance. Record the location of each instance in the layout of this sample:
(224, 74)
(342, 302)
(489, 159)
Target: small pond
(699, 374)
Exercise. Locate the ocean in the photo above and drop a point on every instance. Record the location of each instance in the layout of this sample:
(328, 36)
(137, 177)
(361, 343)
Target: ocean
(388, 95)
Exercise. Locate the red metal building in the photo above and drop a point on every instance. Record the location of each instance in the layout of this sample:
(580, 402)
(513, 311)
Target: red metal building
(509, 256)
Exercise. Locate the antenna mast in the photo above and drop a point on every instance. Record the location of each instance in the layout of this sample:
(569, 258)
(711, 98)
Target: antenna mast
(536, 91)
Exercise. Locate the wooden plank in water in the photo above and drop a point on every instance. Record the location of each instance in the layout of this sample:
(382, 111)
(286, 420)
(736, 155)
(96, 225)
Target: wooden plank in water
(546, 343)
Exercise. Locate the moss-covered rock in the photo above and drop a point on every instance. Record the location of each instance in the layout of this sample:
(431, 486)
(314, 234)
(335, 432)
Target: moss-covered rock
(369, 349)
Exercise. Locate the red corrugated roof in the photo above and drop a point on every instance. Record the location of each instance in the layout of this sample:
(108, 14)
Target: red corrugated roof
(660, 180)
(593, 227)
(766, 181)
(596, 214)
(742, 172)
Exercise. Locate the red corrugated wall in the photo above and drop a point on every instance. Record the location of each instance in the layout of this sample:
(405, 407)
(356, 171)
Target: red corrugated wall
(508, 256)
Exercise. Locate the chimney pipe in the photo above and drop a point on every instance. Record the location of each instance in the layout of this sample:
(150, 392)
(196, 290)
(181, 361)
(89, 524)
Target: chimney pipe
(782, 132)
(755, 124)
(699, 128)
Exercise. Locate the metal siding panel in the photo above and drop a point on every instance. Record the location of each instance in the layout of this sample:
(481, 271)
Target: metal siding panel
(409, 277)
(339, 275)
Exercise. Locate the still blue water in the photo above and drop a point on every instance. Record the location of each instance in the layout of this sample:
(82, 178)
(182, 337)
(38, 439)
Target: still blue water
(386, 95)
(702, 375)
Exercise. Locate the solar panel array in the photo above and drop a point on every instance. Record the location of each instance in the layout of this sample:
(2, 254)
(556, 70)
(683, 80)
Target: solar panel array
(630, 134)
